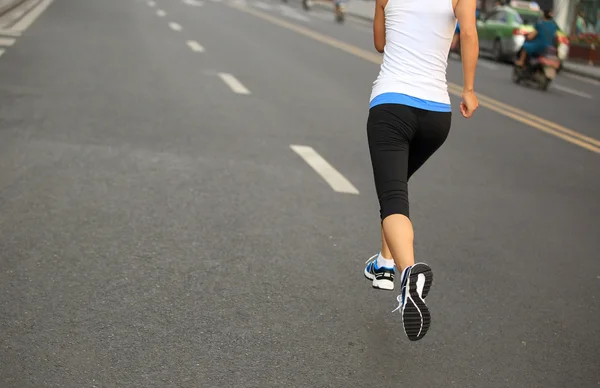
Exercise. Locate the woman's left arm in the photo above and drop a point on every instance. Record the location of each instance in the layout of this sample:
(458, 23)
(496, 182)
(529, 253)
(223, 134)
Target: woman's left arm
(379, 25)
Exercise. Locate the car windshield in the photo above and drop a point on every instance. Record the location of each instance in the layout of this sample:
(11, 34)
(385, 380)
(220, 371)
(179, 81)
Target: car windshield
(526, 18)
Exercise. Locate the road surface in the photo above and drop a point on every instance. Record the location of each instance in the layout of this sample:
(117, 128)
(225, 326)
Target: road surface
(161, 227)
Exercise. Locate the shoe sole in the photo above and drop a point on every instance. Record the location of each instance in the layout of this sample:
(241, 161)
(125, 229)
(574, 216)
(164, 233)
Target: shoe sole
(382, 284)
(416, 318)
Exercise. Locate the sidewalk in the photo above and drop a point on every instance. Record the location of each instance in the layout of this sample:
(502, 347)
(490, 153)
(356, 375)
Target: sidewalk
(7, 5)
(582, 70)
(365, 9)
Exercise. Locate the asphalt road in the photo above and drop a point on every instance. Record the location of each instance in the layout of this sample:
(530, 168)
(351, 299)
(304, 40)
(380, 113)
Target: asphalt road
(157, 230)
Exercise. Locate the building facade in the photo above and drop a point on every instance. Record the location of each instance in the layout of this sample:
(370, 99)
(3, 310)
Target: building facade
(565, 13)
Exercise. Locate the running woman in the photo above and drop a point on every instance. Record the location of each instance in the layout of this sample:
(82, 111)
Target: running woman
(409, 119)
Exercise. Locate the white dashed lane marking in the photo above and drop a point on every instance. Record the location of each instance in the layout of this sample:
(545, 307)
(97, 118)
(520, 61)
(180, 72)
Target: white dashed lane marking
(195, 46)
(175, 26)
(233, 83)
(332, 176)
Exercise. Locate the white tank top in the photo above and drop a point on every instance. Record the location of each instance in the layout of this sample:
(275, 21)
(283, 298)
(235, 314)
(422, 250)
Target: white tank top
(418, 37)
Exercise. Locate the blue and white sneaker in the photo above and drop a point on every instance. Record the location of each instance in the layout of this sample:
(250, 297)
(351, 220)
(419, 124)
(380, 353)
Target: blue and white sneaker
(382, 277)
(415, 285)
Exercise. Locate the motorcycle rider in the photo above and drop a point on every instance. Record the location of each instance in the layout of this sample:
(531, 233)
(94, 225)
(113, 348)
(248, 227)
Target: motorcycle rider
(539, 40)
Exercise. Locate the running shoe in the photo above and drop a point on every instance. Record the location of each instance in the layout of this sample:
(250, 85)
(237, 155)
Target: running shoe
(382, 277)
(415, 284)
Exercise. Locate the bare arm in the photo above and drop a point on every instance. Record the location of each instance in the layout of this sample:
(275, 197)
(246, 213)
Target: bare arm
(379, 25)
(469, 42)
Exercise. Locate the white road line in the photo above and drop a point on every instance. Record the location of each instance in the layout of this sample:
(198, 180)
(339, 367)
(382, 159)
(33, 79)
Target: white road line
(31, 16)
(175, 26)
(5, 42)
(355, 24)
(233, 83)
(293, 14)
(321, 16)
(195, 46)
(265, 6)
(581, 78)
(1, 52)
(569, 90)
(487, 65)
(161, 13)
(332, 176)
(151, 4)
(14, 34)
(193, 3)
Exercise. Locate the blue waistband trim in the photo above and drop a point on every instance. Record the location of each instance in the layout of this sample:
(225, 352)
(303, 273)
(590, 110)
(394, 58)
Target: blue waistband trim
(403, 99)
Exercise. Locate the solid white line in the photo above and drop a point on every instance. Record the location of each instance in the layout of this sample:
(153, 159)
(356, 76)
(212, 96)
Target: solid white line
(569, 90)
(193, 3)
(233, 83)
(355, 24)
(7, 41)
(28, 19)
(14, 34)
(265, 6)
(195, 46)
(161, 13)
(1, 52)
(581, 78)
(332, 176)
(291, 13)
(175, 26)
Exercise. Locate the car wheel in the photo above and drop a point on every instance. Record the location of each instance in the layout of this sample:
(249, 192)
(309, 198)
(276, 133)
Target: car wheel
(497, 51)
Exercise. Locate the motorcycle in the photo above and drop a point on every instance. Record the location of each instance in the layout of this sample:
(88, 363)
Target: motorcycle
(540, 70)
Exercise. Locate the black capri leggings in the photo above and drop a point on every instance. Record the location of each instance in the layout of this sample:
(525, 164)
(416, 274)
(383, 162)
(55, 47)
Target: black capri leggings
(401, 139)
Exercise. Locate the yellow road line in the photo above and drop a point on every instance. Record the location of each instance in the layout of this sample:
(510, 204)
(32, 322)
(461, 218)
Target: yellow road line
(522, 116)
(527, 115)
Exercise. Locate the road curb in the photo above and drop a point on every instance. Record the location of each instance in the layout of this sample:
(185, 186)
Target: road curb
(581, 73)
(7, 8)
(329, 7)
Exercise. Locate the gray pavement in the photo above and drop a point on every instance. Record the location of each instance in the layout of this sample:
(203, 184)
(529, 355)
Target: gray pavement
(157, 230)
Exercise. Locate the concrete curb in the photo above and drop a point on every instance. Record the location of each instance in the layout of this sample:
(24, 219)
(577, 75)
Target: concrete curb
(10, 6)
(581, 73)
(329, 7)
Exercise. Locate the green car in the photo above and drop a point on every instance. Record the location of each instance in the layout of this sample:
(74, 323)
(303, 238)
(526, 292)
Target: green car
(502, 31)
